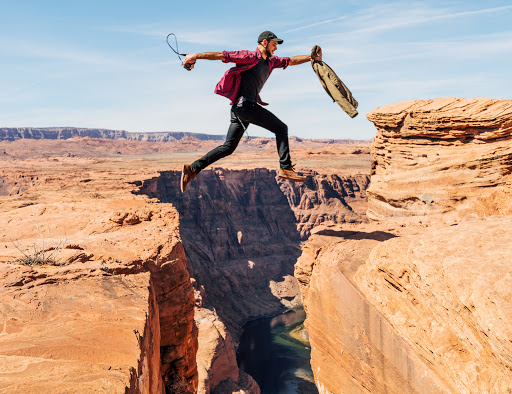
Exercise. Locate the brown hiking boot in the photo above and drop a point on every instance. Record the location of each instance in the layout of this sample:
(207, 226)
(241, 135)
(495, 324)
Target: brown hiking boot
(291, 175)
(187, 174)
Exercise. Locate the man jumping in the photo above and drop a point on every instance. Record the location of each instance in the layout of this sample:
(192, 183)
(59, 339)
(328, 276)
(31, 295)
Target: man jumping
(242, 85)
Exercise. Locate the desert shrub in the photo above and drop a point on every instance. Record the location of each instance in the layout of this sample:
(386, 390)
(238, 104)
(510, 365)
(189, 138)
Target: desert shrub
(44, 252)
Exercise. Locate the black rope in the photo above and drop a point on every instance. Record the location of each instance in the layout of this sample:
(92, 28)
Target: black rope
(188, 66)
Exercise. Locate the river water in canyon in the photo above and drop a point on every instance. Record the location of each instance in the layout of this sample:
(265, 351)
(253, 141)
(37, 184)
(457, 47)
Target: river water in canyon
(276, 353)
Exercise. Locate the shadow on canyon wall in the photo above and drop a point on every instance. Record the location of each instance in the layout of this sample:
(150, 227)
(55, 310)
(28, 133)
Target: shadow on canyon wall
(357, 235)
(242, 233)
(239, 235)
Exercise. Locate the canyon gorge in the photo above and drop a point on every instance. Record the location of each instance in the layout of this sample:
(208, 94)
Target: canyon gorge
(158, 282)
(400, 257)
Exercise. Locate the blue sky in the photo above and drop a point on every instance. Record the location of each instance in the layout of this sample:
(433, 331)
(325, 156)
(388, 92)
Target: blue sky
(105, 64)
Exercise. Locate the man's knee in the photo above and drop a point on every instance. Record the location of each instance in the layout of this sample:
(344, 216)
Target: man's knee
(282, 130)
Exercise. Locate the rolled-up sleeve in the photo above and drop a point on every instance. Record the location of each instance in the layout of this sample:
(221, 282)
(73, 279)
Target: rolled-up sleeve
(239, 57)
(280, 62)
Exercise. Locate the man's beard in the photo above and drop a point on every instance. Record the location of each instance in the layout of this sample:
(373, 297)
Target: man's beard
(267, 51)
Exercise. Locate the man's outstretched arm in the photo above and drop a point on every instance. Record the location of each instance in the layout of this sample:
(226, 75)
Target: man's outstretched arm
(295, 60)
(191, 58)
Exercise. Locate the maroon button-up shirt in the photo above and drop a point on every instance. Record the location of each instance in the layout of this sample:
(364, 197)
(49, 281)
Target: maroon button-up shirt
(229, 85)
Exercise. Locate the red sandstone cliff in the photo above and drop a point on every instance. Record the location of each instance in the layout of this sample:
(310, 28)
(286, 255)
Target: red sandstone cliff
(439, 156)
(399, 305)
(117, 311)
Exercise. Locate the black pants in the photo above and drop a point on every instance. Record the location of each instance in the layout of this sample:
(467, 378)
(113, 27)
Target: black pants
(247, 112)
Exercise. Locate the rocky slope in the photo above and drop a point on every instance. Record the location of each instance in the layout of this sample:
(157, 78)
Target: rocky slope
(438, 156)
(401, 305)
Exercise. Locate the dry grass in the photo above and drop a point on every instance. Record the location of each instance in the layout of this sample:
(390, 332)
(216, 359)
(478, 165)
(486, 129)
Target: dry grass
(44, 252)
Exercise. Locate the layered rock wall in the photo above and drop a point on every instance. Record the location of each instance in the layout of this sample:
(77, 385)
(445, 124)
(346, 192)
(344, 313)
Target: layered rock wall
(48, 343)
(427, 313)
(327, 198)
(448, 293)
(242, 232)
(239, 234)
(403, 305)
(114, 312)
(353, 347)
(216, 358)
(438, 156)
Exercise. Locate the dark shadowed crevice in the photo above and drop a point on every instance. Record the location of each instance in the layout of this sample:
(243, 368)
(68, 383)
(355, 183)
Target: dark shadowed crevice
(239, 234)
(242, 232)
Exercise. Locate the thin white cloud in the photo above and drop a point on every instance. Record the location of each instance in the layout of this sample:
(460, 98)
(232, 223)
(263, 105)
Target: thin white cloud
(402, 20)
(316, 24)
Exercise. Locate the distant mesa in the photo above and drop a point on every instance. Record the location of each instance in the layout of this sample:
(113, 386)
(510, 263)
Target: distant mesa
(64, 133)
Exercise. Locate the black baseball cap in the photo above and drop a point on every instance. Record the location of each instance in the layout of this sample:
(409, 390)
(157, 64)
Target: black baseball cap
(269, 36)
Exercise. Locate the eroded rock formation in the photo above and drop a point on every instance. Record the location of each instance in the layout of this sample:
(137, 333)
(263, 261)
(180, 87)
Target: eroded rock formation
(401, 305)
(327, 198)
(417, 310)
(115, 309)
(353, 347)
(16, 184)
(216, 358)
(448, 293)
(437, 156)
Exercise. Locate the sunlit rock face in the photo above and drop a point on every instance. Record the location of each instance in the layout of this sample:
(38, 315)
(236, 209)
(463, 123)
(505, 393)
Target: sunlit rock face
(410, 309)
(353, 347)
(432, 157)
(418, 300)
(111, 306)
(448, 293)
